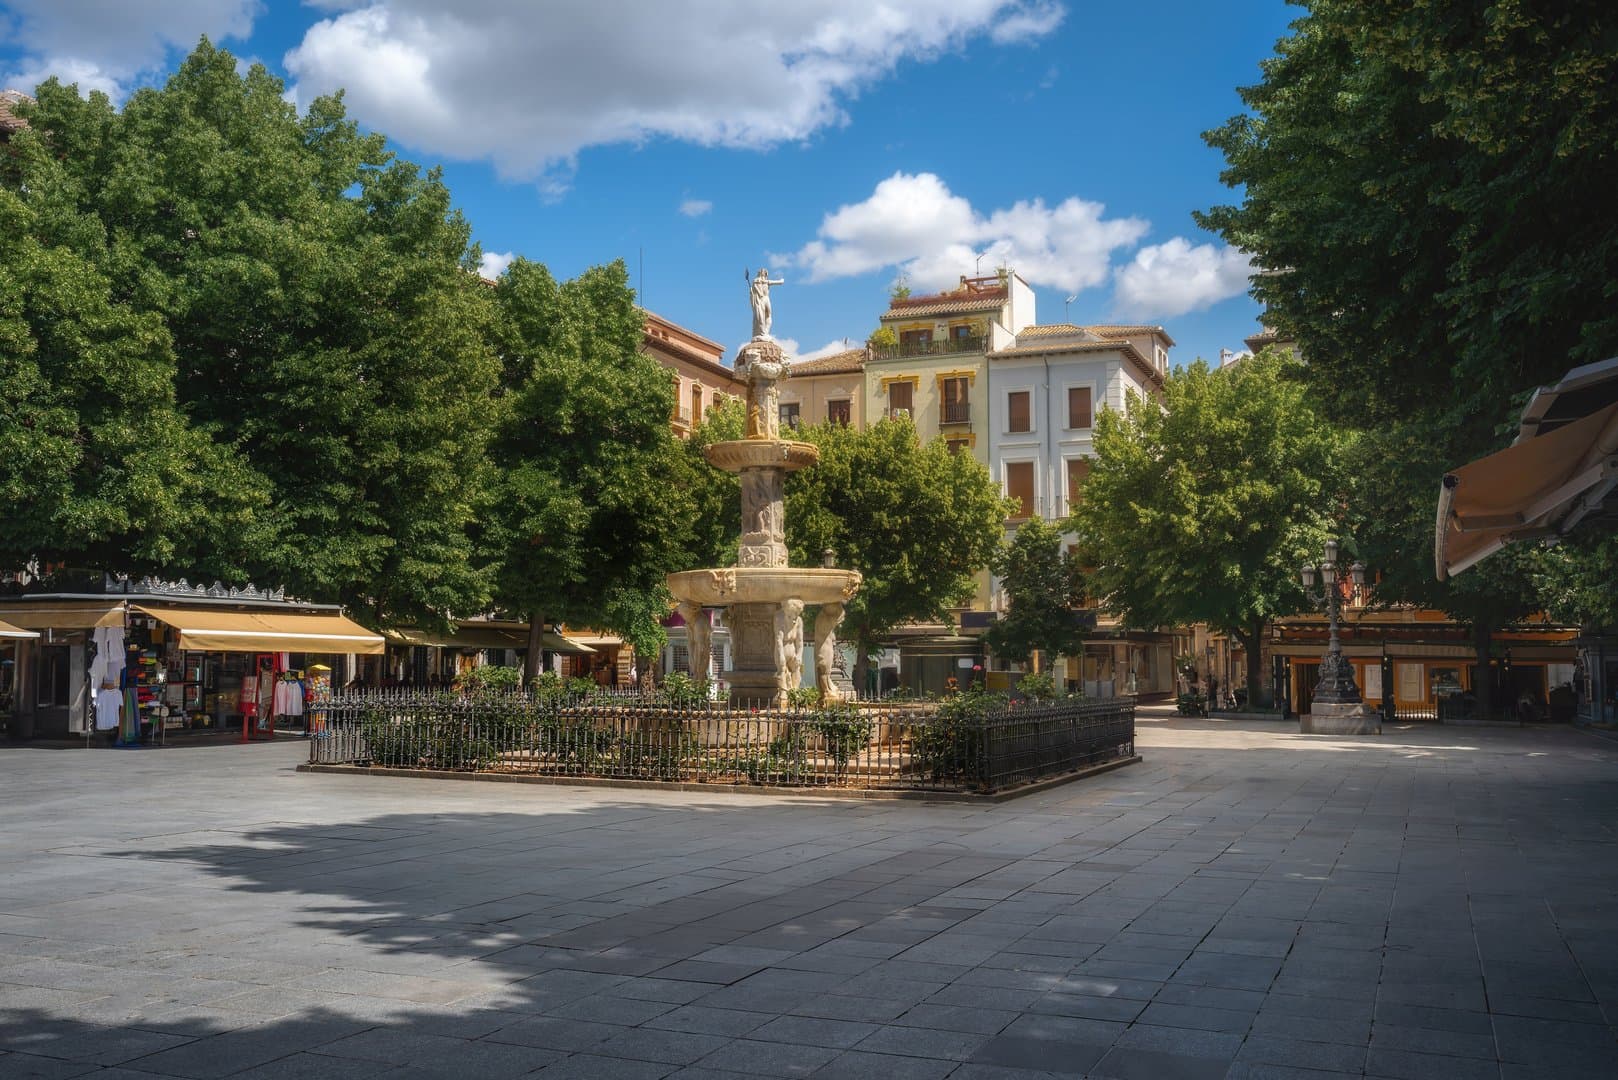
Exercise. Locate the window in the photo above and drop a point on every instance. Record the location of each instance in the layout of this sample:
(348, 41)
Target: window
(1020, 486)
(1078, 471)
(789, 414)
(1019, 415)
(1079, 413)
(961, 333)
(956, 409)
(696, 403)
(915, 340)
(900, 396)
(956, 446)
(838, 412)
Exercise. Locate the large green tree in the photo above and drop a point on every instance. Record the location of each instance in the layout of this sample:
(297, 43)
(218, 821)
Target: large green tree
(325, 321)
(1044, 586)
(1430, 185)
(85, 480)
(589, 511)
(1201, 508)
(918, 521)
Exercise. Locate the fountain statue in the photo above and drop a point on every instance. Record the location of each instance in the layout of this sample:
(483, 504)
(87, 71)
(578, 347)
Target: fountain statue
(763, 597)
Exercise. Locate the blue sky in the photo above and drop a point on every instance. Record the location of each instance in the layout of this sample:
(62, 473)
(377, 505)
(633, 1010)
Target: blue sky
(842, 142)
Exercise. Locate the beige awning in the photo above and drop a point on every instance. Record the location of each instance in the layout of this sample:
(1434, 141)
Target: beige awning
(9, 631)
(558, 643)
(464, 636)
(259, 631)
(476, 636)
(1537, 487)
(63, 615)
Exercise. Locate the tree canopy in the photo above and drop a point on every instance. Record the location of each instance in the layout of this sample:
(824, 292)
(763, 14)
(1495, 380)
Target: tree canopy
(1429, 186)
(1043, 586)
(327, 332)
(918, 521)
(588, 513)
(1202, 508)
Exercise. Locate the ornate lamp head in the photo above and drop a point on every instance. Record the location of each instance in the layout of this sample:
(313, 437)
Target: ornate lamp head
(1307, 573)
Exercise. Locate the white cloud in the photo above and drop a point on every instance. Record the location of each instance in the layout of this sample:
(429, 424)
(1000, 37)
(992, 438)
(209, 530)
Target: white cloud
(794, 350)
(836, 345)
(915, 223)
(695, 207)
(494, 263)
(527, 86)
(107, 46)
(1032, 20)
(1173, 277)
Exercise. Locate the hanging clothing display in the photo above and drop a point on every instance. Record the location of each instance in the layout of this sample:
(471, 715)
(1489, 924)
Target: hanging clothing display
(108, 665)
(108, 702)
(288, 698)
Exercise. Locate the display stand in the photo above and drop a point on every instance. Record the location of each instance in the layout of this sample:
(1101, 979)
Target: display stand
(258, 696)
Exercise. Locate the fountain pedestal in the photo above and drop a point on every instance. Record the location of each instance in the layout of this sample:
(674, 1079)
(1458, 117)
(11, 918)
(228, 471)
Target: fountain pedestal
(763, 597)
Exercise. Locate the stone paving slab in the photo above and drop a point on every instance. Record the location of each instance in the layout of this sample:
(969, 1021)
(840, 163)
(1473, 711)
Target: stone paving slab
(1246, 903)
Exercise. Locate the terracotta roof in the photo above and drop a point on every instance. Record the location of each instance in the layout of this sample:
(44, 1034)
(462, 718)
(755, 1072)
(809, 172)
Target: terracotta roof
(9, 120)
(841, 363)
(652, 316)
(1053, 348)
(1261, 339)
(945, 306)
(1111, 331)
(1049, 347)
(1051, 330)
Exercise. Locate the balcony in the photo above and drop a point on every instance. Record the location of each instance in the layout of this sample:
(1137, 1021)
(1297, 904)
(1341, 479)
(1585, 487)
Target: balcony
(956, 412)
(941, 347)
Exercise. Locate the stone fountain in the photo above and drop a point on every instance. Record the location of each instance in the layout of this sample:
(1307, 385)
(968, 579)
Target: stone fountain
(762, 596)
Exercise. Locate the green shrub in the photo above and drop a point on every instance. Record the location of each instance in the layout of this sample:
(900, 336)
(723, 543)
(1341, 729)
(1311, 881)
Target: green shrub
(682, 691)
(952, 745)
(844, 730)
(489, 679)
(447, 742)
(1038, 686)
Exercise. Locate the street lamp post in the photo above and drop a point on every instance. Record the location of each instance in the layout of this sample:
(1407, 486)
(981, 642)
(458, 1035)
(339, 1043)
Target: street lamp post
(1337, 706)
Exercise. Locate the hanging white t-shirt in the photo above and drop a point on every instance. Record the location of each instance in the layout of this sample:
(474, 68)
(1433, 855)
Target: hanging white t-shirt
(108, 703)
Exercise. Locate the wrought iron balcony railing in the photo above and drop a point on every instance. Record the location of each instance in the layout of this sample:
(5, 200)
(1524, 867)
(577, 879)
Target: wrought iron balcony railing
(941, 347)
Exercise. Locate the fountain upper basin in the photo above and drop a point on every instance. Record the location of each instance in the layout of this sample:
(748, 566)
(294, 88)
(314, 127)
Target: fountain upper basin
(764, 585)
(742, 454)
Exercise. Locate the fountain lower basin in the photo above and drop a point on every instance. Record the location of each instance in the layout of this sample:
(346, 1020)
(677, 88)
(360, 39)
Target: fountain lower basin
(739, 454)
(764, 585)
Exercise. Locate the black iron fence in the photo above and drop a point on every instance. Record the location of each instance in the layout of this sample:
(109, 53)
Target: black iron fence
(964, 744)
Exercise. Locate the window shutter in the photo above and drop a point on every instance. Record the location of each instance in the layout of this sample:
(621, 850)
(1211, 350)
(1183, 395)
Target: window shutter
(1020, 486)
(1017, 409)
(1079, 412)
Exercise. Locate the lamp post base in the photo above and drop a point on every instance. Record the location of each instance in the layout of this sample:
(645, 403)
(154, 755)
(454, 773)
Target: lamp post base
(1354, 718)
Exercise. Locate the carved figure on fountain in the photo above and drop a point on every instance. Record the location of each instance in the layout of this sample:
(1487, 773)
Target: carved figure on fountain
(827, 620)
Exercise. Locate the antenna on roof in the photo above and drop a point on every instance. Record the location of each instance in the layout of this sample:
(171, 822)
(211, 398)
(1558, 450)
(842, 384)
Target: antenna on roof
(1065, 303)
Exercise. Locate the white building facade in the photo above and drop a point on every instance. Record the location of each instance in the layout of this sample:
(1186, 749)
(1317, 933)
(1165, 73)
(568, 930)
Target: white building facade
(1046, 389)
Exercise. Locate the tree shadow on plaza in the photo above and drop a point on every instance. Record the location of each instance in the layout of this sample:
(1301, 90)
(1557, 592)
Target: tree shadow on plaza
(486, 944)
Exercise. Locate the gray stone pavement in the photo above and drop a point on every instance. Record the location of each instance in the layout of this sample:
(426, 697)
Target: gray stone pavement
(1430, 903)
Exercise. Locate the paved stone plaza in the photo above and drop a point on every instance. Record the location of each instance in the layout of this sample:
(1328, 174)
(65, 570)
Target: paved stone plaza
(1434, 902)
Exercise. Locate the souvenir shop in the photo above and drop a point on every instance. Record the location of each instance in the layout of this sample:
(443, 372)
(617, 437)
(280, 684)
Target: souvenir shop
(145, 663)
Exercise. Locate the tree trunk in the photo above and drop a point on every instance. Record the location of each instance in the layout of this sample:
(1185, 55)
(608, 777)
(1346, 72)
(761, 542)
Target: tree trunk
(1483, 683)
(1251, 639)
(862, 665)
(534, 662)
